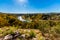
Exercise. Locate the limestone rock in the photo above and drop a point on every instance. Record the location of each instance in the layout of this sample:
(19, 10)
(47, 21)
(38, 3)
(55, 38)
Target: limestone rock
(8, 37)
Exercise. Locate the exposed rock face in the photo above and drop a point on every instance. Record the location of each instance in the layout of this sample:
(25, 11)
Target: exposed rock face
(16, 34)
(22, 36)
(21, 19)
(34, 39)
(11, 36)
(8, 37)
(1, 38)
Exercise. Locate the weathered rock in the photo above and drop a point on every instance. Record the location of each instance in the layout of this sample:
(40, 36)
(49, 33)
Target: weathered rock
(27, 36)
(22, 36)
(16, 34)
(34, 38)
(1, 38)
(8, 37)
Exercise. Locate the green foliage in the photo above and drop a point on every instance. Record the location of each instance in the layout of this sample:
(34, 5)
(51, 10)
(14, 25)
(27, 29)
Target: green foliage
(43, 22)
(8, 20)
(32, 34)
(8, 32)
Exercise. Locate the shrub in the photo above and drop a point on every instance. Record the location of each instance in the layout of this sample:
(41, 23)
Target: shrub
(8, 32)
(32, 34)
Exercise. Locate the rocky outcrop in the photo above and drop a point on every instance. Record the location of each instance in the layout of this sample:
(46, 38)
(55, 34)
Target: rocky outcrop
(8, 37)
(11, 36)
(22, 35)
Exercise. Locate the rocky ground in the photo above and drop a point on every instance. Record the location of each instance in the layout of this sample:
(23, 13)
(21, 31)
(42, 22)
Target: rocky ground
(13, 33)
(20, 34)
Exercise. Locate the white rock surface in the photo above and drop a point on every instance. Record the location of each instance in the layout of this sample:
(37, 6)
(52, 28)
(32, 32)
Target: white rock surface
(21, 19)
(34, 39)
(7, 37)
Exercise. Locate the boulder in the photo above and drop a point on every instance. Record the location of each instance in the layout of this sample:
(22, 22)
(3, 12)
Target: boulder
(17, 34)
(1, 38)
(8, 37)
(34, 38)
(22, 36)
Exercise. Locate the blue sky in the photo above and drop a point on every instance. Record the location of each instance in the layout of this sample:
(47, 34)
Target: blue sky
(29, 6)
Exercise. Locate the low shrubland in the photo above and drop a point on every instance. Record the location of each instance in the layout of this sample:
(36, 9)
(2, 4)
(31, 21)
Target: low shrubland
(47, 24)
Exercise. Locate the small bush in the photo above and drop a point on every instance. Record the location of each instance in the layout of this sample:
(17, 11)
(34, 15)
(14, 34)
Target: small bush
(8, 32)
(32, 34)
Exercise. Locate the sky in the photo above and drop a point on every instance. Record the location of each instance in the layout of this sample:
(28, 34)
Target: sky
(29, 6)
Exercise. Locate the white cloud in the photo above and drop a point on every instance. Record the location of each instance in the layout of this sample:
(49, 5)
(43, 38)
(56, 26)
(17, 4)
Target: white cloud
(22, 2)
